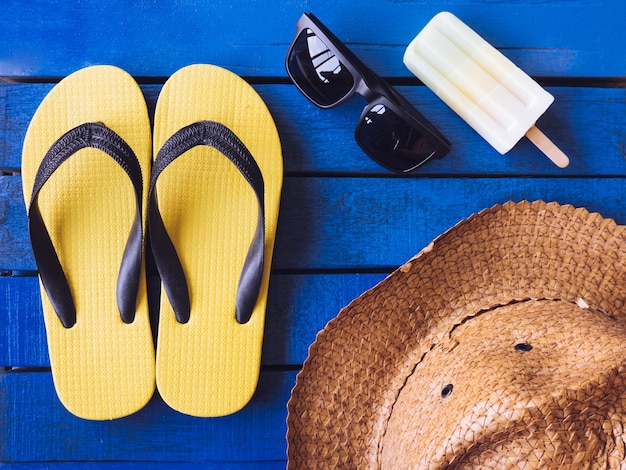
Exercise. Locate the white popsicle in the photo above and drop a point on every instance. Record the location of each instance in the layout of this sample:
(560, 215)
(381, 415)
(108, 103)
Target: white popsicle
(494, 96)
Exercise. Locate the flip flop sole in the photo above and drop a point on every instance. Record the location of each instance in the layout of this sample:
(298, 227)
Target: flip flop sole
(209, 366)
(102, 367)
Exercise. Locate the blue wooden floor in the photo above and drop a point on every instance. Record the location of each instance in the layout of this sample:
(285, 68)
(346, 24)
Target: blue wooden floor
(345, 222)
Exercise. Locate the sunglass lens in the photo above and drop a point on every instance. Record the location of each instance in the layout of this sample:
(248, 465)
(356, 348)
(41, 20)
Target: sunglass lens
(392, 140)
(317, 71)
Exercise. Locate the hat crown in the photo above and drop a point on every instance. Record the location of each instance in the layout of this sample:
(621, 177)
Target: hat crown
(536, 382)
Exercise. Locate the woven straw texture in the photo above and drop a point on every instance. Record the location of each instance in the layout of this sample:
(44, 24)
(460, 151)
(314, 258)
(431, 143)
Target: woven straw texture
(210, 365)
(498, 346)
(102, 368)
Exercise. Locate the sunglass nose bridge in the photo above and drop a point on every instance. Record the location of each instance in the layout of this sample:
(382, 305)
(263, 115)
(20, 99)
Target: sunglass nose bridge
(364, 89)
(369, 84)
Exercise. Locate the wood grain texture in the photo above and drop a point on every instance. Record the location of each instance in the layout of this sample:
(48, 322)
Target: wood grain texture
(365, 223)
(157, 38)
(299, 305)
(36, 428)
(322, 141)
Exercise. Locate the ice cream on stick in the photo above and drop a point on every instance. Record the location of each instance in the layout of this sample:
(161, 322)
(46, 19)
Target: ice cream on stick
(494, 96)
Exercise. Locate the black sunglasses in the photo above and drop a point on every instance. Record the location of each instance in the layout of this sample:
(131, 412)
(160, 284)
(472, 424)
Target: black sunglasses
(390, 130)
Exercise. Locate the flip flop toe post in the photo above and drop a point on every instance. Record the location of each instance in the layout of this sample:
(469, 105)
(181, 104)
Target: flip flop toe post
(216, 188)
(85, 167)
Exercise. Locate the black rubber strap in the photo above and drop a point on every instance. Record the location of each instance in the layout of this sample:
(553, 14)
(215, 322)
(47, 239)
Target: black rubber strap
(168, 264)
(98, 136)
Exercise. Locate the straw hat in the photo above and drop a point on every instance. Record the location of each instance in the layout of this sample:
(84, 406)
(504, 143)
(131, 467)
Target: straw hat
(500, 345)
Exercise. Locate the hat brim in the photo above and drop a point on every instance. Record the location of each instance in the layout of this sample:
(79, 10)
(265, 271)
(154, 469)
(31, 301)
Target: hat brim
(345, 393)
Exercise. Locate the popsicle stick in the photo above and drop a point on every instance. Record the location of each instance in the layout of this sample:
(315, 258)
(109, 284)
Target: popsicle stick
(544, 144)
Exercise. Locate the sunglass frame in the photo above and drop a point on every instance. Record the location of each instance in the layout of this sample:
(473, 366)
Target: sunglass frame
(371, 87)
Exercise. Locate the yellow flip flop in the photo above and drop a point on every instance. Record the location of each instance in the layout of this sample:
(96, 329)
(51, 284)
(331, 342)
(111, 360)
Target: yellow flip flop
(215, 196)
(85, 171)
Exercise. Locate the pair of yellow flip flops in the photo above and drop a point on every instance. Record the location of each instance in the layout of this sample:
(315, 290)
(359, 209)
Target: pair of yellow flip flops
(87, 173)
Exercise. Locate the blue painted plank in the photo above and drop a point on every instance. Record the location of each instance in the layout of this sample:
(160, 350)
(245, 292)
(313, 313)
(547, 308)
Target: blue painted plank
(364, 223)
(36, 428)
(157, 38)
(22, 335)
(585, 122)
(299, 305)
(13, 226)
(260, 465)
